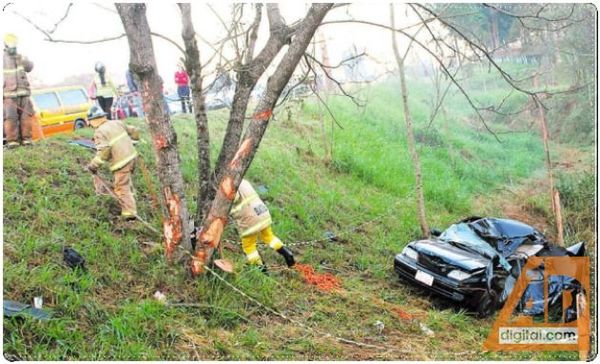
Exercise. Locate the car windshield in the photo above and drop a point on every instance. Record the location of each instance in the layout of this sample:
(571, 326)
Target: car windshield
(463, 235)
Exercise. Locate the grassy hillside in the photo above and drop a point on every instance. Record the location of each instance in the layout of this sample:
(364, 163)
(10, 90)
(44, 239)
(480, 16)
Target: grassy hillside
(109, 312)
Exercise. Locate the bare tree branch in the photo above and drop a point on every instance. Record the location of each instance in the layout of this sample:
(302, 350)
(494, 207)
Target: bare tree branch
(252, 34)
(522, 17)
(61, 19)
(50, 38)
(444, 68)
(337, 83)
(505, 75)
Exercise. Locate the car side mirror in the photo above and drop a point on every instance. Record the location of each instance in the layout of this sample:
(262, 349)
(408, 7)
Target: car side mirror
(435, 232)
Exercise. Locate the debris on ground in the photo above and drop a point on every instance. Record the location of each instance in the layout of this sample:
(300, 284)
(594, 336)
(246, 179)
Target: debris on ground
(329, 235)
(262, 189)
(403, 314)
(333, 237)
(426, 330)
(160, 297)
(379, 326)
(73, 259)
(325, 282)
(224, 265)
(38, 302)
(16, 309)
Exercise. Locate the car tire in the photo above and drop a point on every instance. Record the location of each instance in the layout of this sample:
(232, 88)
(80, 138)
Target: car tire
(488, 302)
(79, 124)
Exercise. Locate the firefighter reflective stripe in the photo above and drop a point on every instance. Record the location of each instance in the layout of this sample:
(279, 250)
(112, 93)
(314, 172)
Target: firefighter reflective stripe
(14, 70)
(256, 228)
(243, 203)
(276, 244)
(17, 93)
(120, 164)
(106, 90)
(99, 161)
(117, 138)
(254, 257)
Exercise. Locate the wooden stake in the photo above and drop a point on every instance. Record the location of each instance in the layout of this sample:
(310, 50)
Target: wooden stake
(553, 195)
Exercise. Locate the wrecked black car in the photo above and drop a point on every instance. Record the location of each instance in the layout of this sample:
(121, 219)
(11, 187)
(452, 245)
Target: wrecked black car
(476, 261)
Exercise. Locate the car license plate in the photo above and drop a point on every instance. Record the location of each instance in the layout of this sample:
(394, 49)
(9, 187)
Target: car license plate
(424, 278)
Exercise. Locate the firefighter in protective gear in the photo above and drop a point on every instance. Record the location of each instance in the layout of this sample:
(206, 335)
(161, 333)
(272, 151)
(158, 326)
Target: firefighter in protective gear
(253, 219)
(114, 147)
(103, 89)
(18, 110)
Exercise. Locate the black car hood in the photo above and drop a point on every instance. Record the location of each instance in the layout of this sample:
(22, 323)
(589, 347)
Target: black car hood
(450, 254)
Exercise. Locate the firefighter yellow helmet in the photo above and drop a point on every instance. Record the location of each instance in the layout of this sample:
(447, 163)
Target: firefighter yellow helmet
(10, 40)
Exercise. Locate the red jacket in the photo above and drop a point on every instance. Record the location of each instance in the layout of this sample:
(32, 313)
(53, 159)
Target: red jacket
(182, 78)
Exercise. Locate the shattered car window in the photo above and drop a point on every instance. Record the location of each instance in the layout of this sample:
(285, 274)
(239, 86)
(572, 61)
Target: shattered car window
(462, 234)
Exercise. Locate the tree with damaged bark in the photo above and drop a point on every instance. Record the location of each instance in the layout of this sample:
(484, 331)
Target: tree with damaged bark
(409, 127)
(236, 152)
(194, 68)
(164, 139)
(237, 159)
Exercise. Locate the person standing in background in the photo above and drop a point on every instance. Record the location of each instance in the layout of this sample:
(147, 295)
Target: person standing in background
(134, 89)
(183, 88)
(18, 110)
(103, 90)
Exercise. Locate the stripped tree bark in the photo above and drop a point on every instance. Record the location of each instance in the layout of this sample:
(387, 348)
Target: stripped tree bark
(143, 64)
(409, 129)
(194, 69)
(234, 169)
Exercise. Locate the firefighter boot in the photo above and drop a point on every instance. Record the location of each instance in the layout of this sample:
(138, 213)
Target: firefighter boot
(287, 255)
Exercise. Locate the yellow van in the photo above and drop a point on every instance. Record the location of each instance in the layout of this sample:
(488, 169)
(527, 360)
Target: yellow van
(59, 110)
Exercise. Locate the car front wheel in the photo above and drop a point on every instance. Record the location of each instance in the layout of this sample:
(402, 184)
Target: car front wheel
(488, 302)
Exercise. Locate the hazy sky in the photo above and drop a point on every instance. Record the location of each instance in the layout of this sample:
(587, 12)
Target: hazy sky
(96, 20)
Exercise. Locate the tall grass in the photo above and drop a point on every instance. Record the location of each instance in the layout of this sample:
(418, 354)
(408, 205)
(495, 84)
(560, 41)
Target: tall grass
(109, 313)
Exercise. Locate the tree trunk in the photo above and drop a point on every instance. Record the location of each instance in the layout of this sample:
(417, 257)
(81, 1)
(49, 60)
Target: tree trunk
(248, 76)
(409, 131)
(164, 139)
(194, 69)
(236, 167)
(554, 195)
(327, 83)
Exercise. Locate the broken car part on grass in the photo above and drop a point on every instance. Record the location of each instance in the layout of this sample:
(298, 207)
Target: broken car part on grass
(18, 309)
(477, 261)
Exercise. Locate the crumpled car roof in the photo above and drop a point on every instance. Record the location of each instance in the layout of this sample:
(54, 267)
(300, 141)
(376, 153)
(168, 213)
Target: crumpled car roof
(463, 234)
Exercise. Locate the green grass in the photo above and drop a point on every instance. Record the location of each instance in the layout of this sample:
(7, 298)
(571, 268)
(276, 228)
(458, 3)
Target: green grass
(109, 313)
